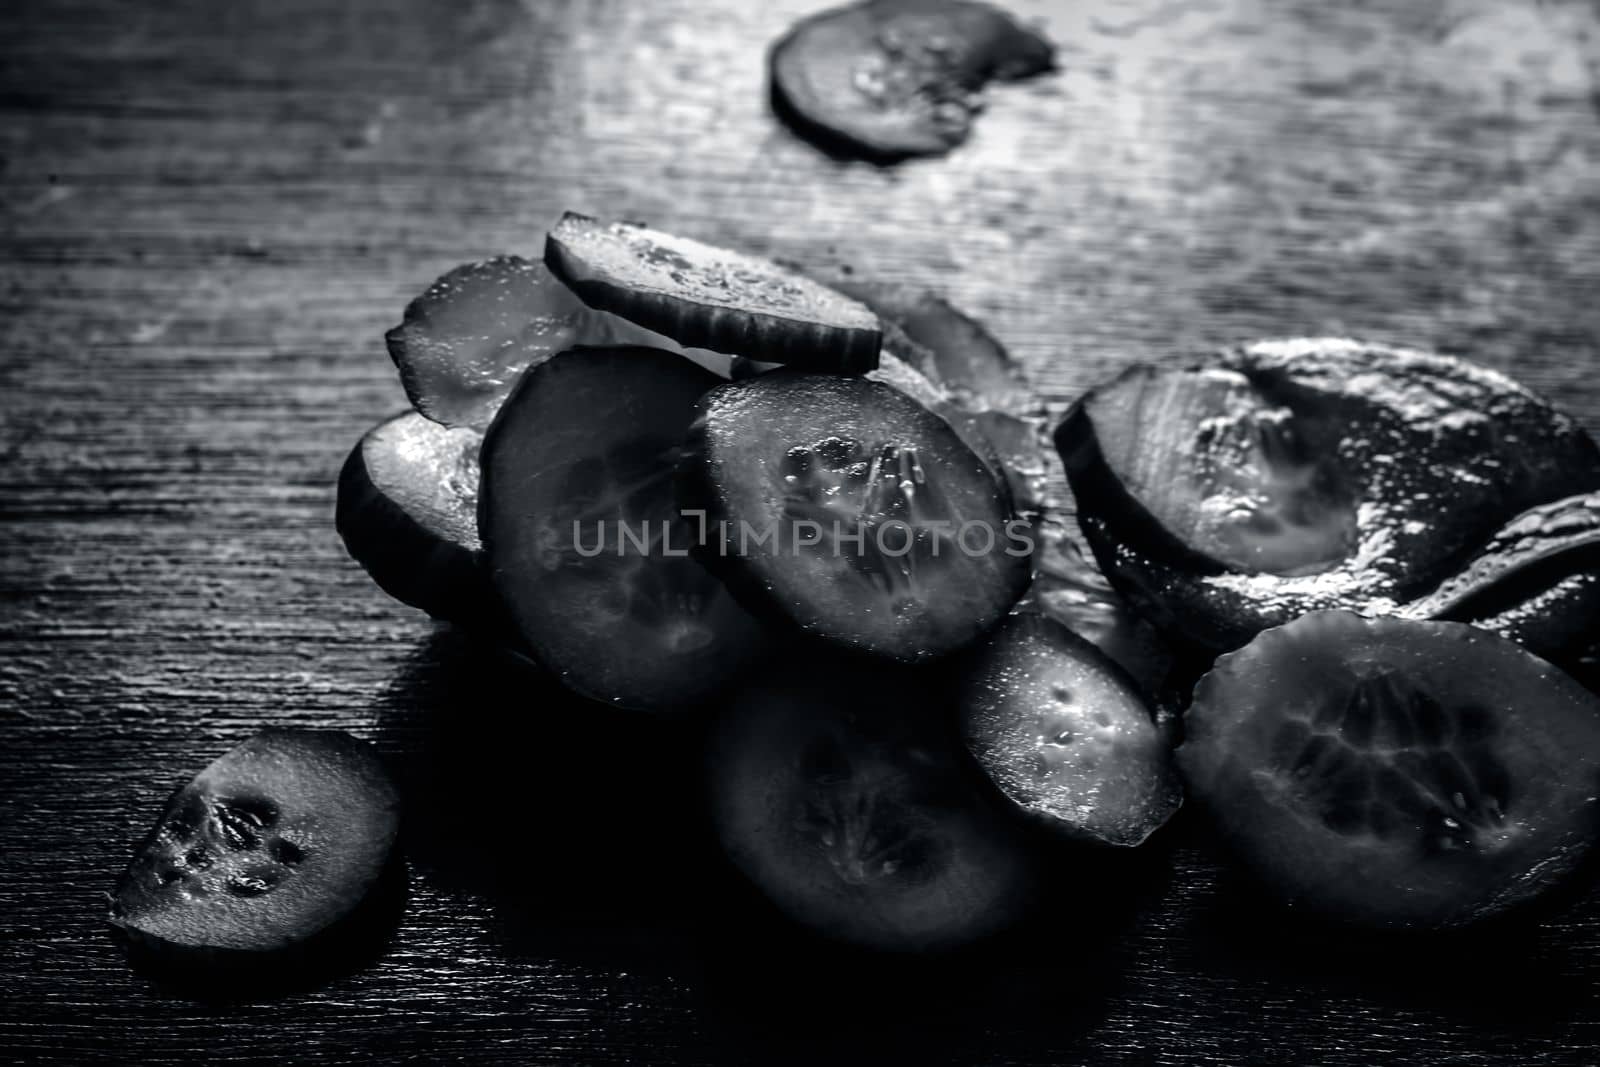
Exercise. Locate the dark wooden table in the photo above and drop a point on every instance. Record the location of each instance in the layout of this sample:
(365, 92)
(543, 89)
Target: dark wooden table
(210, 212)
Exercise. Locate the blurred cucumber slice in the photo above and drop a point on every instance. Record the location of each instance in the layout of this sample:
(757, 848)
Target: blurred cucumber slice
(949, 346)
(1536, 581)
(888, 79)
(840, 792)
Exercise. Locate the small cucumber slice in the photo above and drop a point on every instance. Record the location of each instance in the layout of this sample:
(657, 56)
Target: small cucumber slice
(586, 547)
(845, 507)
(408, 513)
(466, 339)
(269, 849)
(888, 79)
(1066, 735)
(841, 793)
(709, 297)
(1396, 774)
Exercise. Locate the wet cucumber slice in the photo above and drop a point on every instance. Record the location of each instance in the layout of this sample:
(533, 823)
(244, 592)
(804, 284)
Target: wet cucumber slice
(842, 795)
(1292, 476)
(1551, 540)
(267, 851)
(948, 346)
(1066, 734)
(709, 297)
(467, 338)
(1536, 581)
(586, 547)
(1070, 589)
(888, 79)
(994, 436)
(846, 508)
(955, 368)
(408, 513)
(1396, 774)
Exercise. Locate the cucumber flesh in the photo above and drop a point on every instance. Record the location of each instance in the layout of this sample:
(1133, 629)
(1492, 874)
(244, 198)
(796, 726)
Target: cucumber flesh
(1066, 735)
(949, 363)
(843, 507)
(1536, 581)
(841, 794)
(586, 547)
(949, 347)
(1388, 773)
(889, 79)
(407, 511)
(1011, 446)
(709, 297)
(1298, 475)
(273, 845)
(466, 339)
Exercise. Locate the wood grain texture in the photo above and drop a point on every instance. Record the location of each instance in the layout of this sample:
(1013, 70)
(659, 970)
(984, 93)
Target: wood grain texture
(209, 213)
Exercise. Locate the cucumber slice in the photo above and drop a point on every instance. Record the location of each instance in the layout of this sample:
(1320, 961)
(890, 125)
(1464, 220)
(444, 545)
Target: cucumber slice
(1396, 774)
(994, 436)
(1298, 475)
(888, 79)
(407, 511)
(949, 346)
(1070, 589)
(268, 851)
(842, 795)
(710, 297)
(586, 547)
(1066, 735)
(1536, 581)
(853, 512)
(467, 338)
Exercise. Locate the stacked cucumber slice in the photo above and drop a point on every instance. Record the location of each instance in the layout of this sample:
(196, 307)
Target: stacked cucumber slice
(825, 517)
(822, 517)
(708, 484)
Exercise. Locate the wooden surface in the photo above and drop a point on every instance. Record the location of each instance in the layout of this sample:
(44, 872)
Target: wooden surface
(210, 211)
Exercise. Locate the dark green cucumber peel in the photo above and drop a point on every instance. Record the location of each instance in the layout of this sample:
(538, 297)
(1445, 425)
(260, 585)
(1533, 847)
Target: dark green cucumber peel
(841, 793)
(1395, 774)
(1066, 735)
(853, 456)
(890, 79)
(407, 512)
(587, 442)
(275, 856)
(708, 297)
(1390, 467)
